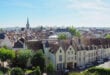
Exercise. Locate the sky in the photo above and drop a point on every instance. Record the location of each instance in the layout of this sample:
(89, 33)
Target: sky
(78, 13)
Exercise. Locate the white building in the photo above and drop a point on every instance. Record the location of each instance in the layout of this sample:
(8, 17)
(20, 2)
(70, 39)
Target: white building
(66, 55)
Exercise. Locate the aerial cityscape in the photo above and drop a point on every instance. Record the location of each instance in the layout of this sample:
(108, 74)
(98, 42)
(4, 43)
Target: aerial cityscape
(55, 37)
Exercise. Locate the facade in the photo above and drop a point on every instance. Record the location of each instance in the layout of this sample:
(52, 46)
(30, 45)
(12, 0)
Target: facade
(71, 57)
(60, 58)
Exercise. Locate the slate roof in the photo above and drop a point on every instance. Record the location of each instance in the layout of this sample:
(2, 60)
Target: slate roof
(18, 44)
(54, 46)
(2, 35)
(22, 40)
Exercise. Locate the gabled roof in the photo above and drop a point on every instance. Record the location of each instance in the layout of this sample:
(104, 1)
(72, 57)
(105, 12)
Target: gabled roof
(54, 46)
(65, 44)
(18, 44)
(22, 40)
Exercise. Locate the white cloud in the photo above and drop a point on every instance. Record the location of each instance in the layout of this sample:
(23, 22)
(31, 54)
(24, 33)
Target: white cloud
(92, 12)
(88, 4)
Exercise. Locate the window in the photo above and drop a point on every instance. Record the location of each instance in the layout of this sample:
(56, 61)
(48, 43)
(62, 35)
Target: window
(68, 58)
(68, 52)
(72, 52)
(72, 58)
(75, 53)
(75, 57)
(70, 48)
(60, 51)
(79, 59)
(60, 57)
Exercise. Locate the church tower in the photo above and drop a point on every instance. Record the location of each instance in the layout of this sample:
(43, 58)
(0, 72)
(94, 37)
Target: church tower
(27, 25)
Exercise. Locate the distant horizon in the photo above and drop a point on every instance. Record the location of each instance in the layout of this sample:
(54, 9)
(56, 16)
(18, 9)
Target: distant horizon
(79, 13)
(58, 26)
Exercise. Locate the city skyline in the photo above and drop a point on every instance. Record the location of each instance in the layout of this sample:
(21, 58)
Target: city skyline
(79, 13)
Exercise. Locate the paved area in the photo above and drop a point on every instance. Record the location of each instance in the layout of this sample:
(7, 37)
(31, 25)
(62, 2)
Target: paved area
(105, 65)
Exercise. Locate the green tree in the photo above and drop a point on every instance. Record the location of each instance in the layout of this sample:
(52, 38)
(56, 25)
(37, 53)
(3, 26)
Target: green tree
(37, 71)
(74, 32)
(107, 36)
(62, 36)
(1, 73)
(6, 54)
(16, 71)
(22, 57)
(50, 68)
(5, 47)
(78, 34)
(38, 59)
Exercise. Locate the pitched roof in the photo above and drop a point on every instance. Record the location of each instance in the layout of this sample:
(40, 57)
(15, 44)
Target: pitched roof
(22, 40)
(18, 44)
(34, 45)
(2, 35)
(54, 46)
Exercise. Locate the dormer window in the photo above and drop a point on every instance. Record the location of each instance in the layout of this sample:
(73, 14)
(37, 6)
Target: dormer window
(70, 48)
(72, 52)
(60, 51)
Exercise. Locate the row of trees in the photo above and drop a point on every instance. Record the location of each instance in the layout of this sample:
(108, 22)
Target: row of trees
(25, 59)
(73, 32)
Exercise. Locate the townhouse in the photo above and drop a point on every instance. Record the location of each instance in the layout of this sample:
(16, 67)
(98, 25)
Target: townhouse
(67, 54)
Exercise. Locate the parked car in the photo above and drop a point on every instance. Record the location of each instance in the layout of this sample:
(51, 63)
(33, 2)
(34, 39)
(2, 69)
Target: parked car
(89, 65)
(66, 72)
(109, 58)
(100, 61)
(81, 67)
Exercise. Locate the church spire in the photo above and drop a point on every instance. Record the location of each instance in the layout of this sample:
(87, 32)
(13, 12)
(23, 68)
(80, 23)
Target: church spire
(27, 25)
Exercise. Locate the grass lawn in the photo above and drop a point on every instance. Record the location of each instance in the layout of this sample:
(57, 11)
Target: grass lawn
(75, 73)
